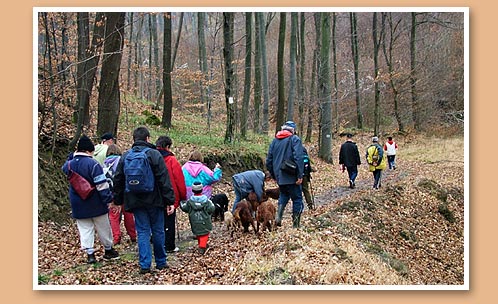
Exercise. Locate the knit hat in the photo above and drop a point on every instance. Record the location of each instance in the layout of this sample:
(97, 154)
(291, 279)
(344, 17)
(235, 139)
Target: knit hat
(107, 136)
(85, 144)
(197, 187)
(375, 139)
(349, 135)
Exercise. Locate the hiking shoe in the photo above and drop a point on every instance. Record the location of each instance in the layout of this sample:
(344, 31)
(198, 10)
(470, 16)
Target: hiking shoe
(144, 270)
(111, 254)
(173, 250)
(165, 266)
(91, 258)
(351, 184)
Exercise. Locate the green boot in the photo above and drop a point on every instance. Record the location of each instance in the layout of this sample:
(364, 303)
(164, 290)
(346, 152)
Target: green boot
(280, 214)
(296, 220)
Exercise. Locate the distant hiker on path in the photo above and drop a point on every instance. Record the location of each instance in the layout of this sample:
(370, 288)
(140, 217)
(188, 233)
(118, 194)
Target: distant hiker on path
(376, 161)
(391, 147)
(349, 158)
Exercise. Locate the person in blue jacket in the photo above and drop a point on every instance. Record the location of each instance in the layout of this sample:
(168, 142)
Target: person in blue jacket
(247, 182)
(287, 146)
(91, 214)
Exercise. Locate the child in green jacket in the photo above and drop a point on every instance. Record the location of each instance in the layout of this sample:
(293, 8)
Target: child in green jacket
(200, 210)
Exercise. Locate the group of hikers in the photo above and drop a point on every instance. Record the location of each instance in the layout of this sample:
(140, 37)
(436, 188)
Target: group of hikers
(146, 184)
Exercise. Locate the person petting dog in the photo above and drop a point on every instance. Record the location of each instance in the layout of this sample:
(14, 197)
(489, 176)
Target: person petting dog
(247, 182)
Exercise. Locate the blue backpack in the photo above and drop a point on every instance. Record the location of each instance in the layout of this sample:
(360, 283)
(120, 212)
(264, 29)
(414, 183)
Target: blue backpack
(137, 170)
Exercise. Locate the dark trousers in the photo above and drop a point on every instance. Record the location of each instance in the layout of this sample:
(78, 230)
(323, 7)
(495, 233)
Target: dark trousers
(377, 176)
(169, 230)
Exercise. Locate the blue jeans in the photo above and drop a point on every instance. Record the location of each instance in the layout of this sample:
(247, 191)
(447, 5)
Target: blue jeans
(150, 221)
(293, 192)
(390, 160)
(352, 172)
(238, 194)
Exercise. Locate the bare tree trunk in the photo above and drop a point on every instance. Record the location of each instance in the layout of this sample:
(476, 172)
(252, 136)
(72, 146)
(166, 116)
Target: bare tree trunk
(325, 151)
(109, 93)
(292, 78)
(302, 62)
(264, 73)
(377, 38)
(388, 55)
(413, 74)
(257, 77)
(280, 72)
(355, 55)
(203, 65)
(334, 56)
(228, 23)
(247, 76)
(130, 49)
(168, 96)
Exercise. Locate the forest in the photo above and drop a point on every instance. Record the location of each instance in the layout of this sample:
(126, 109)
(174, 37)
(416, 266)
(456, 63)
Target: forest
(223, 83)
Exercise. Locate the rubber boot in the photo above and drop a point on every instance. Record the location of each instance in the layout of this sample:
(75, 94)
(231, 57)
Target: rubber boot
(296, 220)
(280, 214)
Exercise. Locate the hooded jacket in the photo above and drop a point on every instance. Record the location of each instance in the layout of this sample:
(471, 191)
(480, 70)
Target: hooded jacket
(162, 195)
(199, 209)
(284, 146)
(195, 171)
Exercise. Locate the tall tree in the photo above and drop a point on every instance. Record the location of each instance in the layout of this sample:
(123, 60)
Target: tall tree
(228, 24)
(325, 151)
(155, 85)
(314, 92)
(257, 77)
(388, 47)
(334, 62)
(280, 72)
(356, 59)
(247, 75)
(203, 63)
(293, 59)
(168, 95)
(109, 93)
(130, 49)
(377, 38)
(264, 72)
(413, 72)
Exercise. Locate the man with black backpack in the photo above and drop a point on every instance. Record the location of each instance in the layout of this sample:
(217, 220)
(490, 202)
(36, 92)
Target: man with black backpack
(376, 161)
(142, 184)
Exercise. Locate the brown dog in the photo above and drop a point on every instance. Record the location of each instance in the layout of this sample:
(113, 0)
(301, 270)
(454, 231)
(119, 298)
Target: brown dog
(273, 193)
(266, 216)
(243, 216)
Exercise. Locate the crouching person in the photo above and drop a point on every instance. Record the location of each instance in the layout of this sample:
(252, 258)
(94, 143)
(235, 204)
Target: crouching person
(200, 210)
(91, 213)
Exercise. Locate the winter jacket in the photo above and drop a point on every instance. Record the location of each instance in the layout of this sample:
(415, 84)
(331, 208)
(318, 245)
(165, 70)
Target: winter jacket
(100, 153)
(199, 209)
(391, 147)
(249, 181)
(91, 170)
(175, 176)
(284, 146)
(349, 154)
(195, 171)
(163, 193)
(382, 161)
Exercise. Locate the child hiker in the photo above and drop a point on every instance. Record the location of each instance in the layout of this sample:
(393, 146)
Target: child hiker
(199, 209)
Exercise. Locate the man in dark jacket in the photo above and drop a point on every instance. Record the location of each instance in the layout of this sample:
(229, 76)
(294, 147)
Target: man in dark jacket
(287, 146)
(148, 208)
(349, 158)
